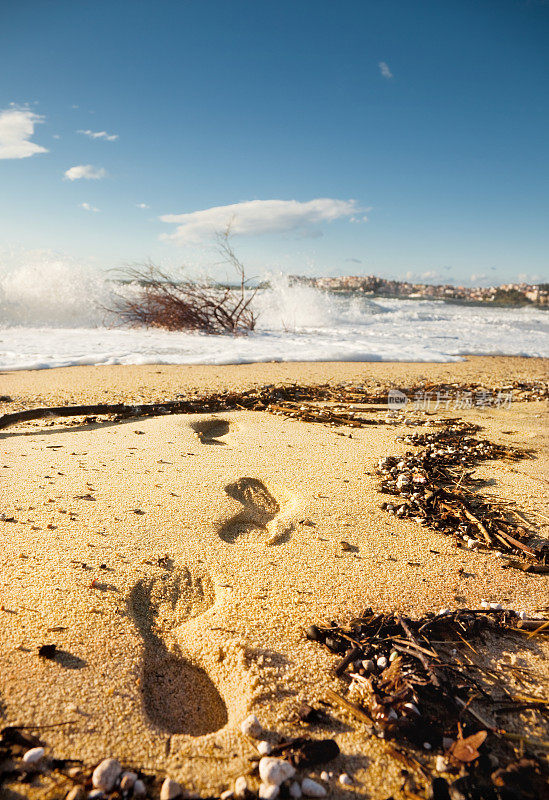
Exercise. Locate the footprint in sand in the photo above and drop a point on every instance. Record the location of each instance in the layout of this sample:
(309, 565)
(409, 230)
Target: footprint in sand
(260, 516)
(177, 696)
(210, 431)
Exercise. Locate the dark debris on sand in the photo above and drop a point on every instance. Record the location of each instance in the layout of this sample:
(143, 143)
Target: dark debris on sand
(416, 683)
(433, 485)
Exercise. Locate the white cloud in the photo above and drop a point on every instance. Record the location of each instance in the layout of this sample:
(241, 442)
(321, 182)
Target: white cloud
(141, 205)
(88, 207)
(108, 137)
(258, 217)
(384, 69)
(16, 129)
(85, 171)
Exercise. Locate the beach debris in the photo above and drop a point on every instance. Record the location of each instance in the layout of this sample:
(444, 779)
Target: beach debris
(240, 786)
(275, 770)
(47, 651)
(106, 773)
(311, 788)
(304, 752)
(34, 755)
(170, 790)
(440, 705)
(329, 404)
(251, 727)
(433, 486)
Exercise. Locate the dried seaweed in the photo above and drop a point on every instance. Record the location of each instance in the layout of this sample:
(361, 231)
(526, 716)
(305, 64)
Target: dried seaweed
(411, 682)
(432, 484)
(292, 400)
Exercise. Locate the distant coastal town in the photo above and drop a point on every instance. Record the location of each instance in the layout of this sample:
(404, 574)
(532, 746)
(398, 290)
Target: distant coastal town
(507, 294)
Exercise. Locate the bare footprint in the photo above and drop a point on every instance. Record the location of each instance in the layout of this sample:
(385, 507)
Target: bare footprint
(259, 515)
(209, 431)
(177, 696)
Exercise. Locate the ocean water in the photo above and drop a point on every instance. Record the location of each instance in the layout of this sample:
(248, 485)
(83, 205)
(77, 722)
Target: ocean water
(56, 316)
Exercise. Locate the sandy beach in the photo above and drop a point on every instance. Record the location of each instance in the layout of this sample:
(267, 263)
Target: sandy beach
(176, 561)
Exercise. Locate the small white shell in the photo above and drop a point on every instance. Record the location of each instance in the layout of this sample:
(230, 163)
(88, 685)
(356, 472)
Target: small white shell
(127, 781)
(251, 726)
(311, 788)
(34, 755)
(268, 791)
(170, 790)
(295, 790)
(441, 765)
(275, 770)
(240, 786)
(105, 774)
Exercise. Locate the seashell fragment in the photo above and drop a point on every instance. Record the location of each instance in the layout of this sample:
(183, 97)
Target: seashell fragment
(34, 755)
(251, 726)
(106, 774)
(275, 770)
(311, 788)
(170, 790)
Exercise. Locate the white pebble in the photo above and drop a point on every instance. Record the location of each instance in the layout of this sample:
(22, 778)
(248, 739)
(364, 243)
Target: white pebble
(311, 788)
(170, 790)
(345, 779)
(393, 656)
(268, 791)
(34, 755)
(127, 781)
(295, 790)
(105, 774)
(226, 795)
(484, 604)
(427, 745)
(264, 748)
(240, 786)
(95, 794)
(382, 662)
(324, 776)
(523, 615)
(443, 611)
(251, 726)
(275, 770)
(139, 788)
(496, 606)
(441, 765)
(76, 793)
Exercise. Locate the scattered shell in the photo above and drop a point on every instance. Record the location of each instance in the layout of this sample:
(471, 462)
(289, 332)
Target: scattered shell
(105, 774)
(311, 788)
(127, 781)
(240, 786)
(441, 765)
(264, 748)
(170, 790)
(251, 726)
(34, 755)
(275, 770)
(76, 793)
(268, 791)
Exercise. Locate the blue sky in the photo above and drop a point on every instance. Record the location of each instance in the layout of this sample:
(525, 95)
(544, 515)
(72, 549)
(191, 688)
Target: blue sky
(398, 138)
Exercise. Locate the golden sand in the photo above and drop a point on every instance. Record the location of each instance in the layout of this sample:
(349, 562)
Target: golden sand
(175, 562)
